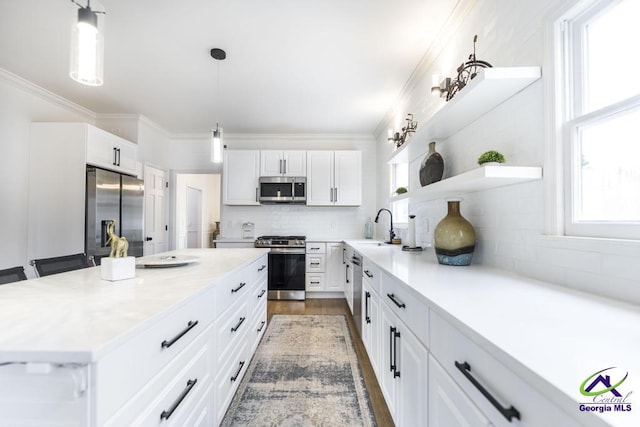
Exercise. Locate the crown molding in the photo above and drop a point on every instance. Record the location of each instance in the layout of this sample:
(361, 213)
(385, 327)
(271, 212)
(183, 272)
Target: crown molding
(42, 93)
(277, 136)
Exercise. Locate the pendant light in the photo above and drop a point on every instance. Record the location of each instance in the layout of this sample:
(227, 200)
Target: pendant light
(216, 134)
(87, 46)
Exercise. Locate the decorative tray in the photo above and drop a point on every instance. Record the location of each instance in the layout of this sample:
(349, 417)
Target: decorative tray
(163, 261)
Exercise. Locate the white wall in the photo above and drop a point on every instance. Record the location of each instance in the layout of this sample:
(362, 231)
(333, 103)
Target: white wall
(509, 221)
(20, 104)
(313, 222)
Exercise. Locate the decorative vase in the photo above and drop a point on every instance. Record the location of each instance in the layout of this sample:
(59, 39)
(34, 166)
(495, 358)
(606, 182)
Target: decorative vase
(454, 237)
(432, 166)
(216, 231)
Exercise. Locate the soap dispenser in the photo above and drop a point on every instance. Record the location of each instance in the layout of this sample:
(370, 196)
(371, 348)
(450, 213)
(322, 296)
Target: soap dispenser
(368, 229)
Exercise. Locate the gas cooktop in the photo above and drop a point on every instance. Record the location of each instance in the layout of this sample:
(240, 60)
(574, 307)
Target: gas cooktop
(280, 241)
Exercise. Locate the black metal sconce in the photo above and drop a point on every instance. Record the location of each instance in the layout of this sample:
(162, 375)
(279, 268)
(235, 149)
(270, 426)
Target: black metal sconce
(399, 138)
(466, 71)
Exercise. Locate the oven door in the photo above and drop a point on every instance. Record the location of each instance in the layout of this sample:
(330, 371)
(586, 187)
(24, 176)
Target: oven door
(286, 274)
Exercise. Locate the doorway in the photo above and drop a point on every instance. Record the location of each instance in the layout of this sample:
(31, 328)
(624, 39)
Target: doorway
(195, 208)
(194, 217)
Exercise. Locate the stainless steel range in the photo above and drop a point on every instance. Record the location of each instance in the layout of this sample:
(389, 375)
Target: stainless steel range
(286, 266)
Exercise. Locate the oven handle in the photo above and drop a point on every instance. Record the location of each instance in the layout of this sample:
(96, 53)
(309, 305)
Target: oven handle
(288, 251)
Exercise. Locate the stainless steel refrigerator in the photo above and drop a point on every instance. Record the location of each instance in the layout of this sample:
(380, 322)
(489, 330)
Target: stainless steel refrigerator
(111, 195)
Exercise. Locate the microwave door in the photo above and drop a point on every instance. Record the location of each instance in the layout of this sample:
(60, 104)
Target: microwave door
(276, 191)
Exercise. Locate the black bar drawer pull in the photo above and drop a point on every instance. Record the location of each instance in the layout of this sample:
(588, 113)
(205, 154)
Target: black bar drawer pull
(262, 293)
(261, 326)
(262, 268)
(314, 263)
(235, 328)
(508, 413)
(369, 275)
(237, 374)
(396, 301)
(314, 249)
(240, 286)
(396, 334)
(366, 306)
(172, 341)
(165, 415)
(115, 156)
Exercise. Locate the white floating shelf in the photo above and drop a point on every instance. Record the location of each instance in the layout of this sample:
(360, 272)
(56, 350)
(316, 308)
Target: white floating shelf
(482, 178)
(490, 88)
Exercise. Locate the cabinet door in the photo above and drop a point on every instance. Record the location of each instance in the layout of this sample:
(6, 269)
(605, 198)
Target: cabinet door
(371, 325)
(319, 178)
(295, 163)
(101, 150)
(348, 178)
(413, 382)
(240, 174)
(127, 157)
(334, 268)
(385, 367)
(448, 405)
(271, 163)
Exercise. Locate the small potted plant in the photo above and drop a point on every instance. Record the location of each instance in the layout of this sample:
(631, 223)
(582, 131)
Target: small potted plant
(401, 190)
(491, 158)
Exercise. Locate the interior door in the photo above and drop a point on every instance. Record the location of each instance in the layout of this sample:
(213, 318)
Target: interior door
(154, 211)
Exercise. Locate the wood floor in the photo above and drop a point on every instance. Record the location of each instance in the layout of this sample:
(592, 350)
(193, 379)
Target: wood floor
(339, 306)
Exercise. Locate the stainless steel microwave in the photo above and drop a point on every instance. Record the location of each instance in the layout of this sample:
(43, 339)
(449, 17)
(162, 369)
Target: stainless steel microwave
(283, 189)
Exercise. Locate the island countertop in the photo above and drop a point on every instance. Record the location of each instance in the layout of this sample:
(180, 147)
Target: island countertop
(76, 317)
(552, 337)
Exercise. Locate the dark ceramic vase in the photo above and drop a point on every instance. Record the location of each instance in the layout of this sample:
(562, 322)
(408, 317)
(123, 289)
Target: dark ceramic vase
(454, 237)
(432, 166)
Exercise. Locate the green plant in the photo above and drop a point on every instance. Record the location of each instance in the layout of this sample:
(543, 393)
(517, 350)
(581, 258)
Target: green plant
(401, 190)
(491, 156)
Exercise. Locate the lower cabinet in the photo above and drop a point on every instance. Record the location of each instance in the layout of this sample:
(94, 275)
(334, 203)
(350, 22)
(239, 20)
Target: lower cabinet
(371, 324)
(324, 275)
(403, 371)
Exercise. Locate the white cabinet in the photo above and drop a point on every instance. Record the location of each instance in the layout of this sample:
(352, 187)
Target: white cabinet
(109, 151)
(324, 274)
(240, 174)
(334, 178)
(334, 268)
(448, 405)
(283, 163)
(403, 371)
(371, 324)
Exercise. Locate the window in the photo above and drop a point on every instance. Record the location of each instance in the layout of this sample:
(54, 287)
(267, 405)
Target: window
(601, 123)
(399, 178)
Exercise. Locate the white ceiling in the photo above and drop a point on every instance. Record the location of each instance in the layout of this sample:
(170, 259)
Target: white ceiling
(293, 66)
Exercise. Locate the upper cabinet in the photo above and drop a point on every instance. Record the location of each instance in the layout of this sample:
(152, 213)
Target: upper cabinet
(111, 152)
(283, 163)
(334, 178)
(240, 174)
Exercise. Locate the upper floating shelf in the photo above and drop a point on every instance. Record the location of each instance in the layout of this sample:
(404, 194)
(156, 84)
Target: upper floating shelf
(490, 88)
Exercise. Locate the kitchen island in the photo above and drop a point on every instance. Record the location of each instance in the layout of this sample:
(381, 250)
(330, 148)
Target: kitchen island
(77, 350)
(530, 344)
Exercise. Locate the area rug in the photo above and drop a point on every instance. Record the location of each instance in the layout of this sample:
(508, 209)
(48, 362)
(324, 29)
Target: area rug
(305, 372)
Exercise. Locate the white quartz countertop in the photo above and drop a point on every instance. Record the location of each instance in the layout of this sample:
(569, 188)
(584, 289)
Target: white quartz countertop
(77, 317)
(552, 337)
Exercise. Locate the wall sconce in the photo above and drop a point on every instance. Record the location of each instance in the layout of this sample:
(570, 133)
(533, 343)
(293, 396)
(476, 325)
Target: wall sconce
(448, 87)
(86, 65)
(399, 138)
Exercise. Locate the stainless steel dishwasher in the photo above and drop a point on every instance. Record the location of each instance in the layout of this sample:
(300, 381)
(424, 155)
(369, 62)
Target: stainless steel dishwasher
(356, 260)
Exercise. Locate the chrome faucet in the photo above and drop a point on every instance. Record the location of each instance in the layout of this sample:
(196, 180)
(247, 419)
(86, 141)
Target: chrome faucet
(391, 232)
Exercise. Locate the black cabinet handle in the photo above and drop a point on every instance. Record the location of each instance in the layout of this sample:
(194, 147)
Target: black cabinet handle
(262, 268)
(115, 156)
(508, 413)
(314, 249)
(118, 157)
(261, 326)
(396, 301)
(369, 275)
(314, 263)
(367, 296)
(262, 293)
(148, 239)
(242, 285)
(314, 283)
(396, 335)
(235, 328)
(237, 374)
(165, 415)
(172, 341)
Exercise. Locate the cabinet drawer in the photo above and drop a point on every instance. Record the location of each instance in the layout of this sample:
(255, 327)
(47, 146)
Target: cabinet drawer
(316, 248)
(408, 308)
(229, 378)
(260, 267)
(371, 273)
(230, 329)
(191, 362)
(125, 370)
(315, 263)
(235, 288)
(314, 282)
(458, 354)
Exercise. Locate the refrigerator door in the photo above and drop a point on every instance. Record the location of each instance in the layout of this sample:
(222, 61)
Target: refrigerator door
(132, 213)
(103, 205)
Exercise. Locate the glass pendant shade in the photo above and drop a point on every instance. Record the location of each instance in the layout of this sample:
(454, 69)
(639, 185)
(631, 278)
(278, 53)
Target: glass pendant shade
(87, 48)
(216, 145)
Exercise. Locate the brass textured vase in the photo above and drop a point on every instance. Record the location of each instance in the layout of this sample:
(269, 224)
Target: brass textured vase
(432, 166)
(454, 237)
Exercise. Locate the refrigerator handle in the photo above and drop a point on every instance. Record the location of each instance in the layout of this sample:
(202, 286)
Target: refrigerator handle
(103, 232)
